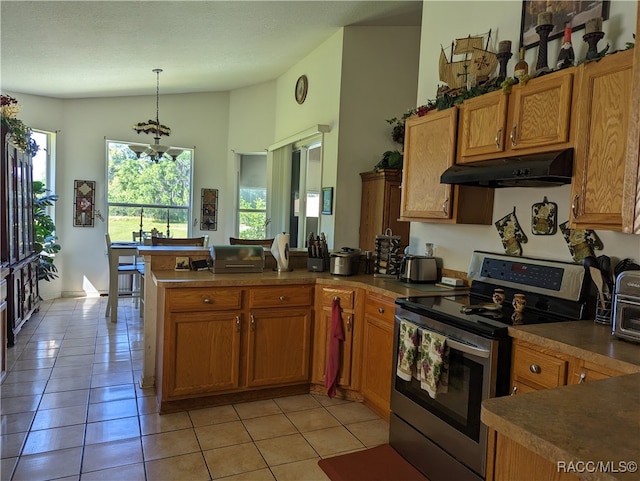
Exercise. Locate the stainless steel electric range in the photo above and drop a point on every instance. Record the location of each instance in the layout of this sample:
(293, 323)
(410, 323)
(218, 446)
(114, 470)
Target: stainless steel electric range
(443, 437)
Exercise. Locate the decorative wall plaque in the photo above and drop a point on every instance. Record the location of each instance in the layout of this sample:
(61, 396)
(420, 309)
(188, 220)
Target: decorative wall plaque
(209, 217)
(84, 204)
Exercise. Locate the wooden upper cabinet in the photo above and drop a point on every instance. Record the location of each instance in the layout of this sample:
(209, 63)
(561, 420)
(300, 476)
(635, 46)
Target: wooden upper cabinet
(533, 118)
(631, 191)
(482, 125)
(429, 145)
(380, 207)
(540, 113)
(603, 113)
(429, 149)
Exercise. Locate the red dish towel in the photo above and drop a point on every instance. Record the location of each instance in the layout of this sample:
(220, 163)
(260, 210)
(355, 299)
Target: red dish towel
(336, 334)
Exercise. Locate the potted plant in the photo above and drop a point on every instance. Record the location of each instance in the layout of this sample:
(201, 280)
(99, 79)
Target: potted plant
(44, 229)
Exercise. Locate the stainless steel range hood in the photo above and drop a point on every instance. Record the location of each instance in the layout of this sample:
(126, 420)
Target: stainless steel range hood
(536, 170)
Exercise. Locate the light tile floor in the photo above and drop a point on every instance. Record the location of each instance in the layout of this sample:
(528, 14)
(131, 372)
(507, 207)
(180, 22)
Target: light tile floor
(72, 410)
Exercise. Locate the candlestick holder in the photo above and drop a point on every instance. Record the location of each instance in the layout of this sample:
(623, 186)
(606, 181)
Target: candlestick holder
(592, 40)
(541, 66)
(503, 59)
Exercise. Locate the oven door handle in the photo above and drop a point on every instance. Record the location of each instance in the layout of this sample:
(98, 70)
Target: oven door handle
(468, 349)
(457, 345)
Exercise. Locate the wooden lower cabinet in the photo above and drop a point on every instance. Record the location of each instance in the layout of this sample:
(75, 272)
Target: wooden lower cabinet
(535, 367)
(202, 353)
(279, 346)
(224, 341)
(377, 352)
(349, 348)
(515, 462)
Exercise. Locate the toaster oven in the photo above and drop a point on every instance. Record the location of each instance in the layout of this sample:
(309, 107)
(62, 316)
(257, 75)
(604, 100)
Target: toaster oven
(626, 307)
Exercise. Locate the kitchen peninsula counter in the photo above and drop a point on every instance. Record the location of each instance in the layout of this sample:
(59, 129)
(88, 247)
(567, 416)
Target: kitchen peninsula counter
(160, 274)
(585, 340)
(387, 287)
(575, 424)
(583, 423)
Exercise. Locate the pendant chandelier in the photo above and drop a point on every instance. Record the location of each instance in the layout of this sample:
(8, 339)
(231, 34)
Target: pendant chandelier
(155, 151)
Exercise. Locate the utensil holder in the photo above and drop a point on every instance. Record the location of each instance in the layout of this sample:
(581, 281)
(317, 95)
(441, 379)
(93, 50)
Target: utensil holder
(604, 310)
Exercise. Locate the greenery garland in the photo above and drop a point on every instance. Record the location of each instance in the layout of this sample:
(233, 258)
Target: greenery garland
(20, 133)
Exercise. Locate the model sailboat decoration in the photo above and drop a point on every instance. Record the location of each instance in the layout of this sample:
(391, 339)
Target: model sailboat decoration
(477, 65)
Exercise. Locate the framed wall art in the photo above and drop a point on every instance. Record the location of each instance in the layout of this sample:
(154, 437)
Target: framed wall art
(574, 12)
(327, 200)
(209, 214)
(84, 203)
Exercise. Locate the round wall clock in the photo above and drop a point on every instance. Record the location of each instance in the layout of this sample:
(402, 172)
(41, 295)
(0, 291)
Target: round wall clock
(301, 88)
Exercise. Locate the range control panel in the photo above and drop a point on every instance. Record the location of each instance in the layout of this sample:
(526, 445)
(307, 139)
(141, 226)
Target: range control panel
(523, 273)
(552, 278)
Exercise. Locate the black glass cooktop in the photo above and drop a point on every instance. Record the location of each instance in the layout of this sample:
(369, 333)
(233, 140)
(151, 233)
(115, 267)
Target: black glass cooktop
(476, 311)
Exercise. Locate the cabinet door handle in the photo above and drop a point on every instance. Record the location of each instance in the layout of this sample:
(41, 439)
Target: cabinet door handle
(348, 323)
(583, 377)
(253, 323)
(238, 323)
(498, 138)
(445, 206)
(534, 368)
(206, 300)
(512, 135)
(574, 206)
(282, 298)
(381, 310)
(514, 391)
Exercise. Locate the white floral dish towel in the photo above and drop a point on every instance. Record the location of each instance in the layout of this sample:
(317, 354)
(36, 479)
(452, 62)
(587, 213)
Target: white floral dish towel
(407, 350)
(433, 365)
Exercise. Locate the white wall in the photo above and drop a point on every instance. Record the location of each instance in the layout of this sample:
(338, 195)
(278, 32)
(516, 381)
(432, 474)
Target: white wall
(323, 69)
(442, 21)
(379, 82)
(197, 120)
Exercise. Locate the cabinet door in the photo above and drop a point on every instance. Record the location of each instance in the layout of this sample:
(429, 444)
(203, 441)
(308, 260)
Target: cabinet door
(322, 330)
(279, 346)
(482, 126)
(541, 112)
(514, 461)
(371, 209)
(429, 151)
(587, 371)
(202, 353)
(601, 142)
(377, 353)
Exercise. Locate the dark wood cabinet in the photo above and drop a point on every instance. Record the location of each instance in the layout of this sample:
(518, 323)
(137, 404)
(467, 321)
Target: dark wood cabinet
(17, 248)
(380, 207)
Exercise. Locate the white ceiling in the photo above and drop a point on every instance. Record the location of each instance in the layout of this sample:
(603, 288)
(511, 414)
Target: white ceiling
(76, 49)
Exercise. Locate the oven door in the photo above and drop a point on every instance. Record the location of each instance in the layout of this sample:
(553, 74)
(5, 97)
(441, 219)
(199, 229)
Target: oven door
(451, 420)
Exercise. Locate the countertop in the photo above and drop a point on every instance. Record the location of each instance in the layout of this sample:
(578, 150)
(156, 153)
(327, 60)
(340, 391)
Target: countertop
(595, 421)
(591, 422)
(584, 339)
(386, 287)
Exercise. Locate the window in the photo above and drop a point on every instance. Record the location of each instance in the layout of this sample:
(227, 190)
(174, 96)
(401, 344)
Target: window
(43, 160)
(146, 196)
(252, 197)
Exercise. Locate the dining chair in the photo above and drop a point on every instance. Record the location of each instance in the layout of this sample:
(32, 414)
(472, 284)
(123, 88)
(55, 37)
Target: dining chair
(251, 242)
(131, 270)
(201, 241)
